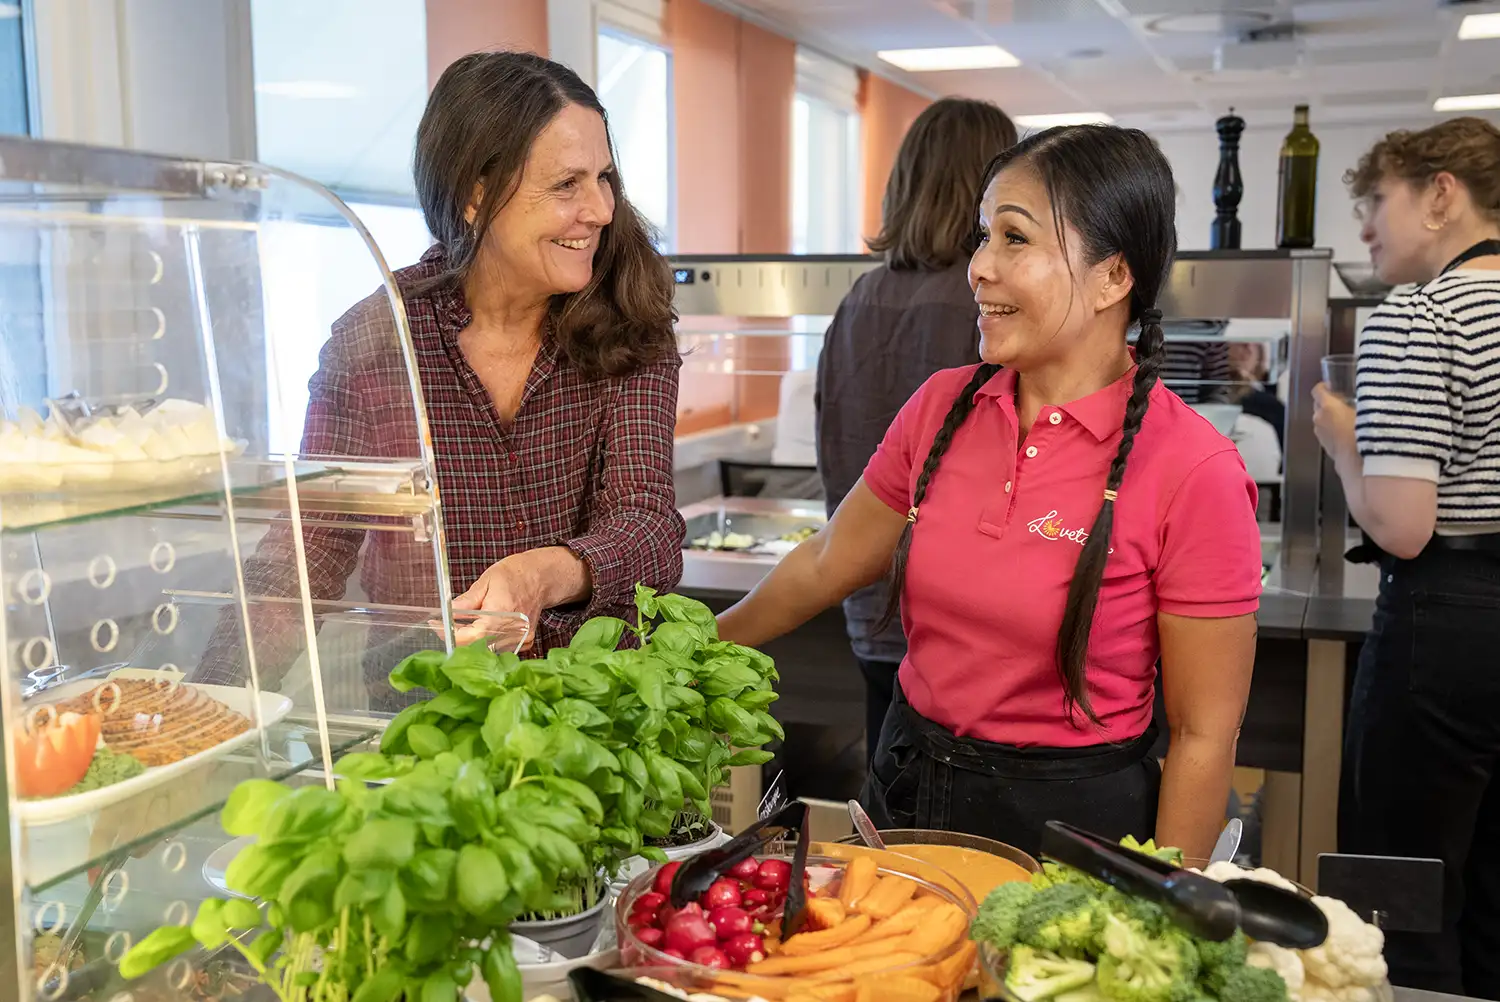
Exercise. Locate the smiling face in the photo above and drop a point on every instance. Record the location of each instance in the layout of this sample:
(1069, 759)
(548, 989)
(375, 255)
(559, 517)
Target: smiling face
(1395, 217)
(542, 241)
(1041, 302)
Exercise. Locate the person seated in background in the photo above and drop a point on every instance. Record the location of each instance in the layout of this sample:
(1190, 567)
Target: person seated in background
(1249, 368)
(1198, 371)
(909, 318)
(542, 332)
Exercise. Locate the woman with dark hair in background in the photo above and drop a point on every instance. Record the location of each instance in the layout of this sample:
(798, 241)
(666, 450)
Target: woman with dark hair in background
(900, 323)
(1053, 520)
(542, 329)
(1419, 459)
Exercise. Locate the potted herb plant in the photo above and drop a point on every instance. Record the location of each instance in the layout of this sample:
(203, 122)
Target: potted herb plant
(509, 795)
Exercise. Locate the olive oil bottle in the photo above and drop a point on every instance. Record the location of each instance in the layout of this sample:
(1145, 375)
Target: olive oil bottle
(1297, 191)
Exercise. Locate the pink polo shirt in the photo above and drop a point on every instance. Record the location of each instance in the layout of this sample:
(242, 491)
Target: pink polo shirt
(1002, 527)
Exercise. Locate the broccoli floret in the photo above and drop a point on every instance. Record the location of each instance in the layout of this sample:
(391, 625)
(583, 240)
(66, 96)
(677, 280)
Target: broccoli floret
(1065, 919)
(1041, 881)
(999, 914)
(1252, 984)
(1217, 961)
(1034, 975)
(1147, 914)
(1056, 873)
(1140, 967)
(1088, 993)
(1165, 853)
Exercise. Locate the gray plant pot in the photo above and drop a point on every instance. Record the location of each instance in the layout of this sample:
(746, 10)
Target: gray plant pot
(573, 937)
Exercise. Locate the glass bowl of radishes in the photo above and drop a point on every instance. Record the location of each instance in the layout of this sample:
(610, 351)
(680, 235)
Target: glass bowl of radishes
(863, 920)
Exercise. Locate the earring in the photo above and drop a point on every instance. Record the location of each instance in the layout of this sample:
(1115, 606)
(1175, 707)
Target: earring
(1434, 228)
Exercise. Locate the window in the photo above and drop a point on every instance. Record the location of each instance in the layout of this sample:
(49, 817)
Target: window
(825, 179)
(23, 334)
(825, 157)
(635, 89)
(15, 88)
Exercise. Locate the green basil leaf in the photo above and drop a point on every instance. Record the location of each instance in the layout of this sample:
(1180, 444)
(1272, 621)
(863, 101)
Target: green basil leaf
(389, 917)
(428, 937)
(665, 783)
(393, 740)
(427, 741)
(645, 601)
(248, 804)
(574, 754)
(582, 714)
(307, 894)
(678, 638)
(457, 704)
(576, 792)
(308, 812)
(729, 678)
(412, 797)
(750, 756)
(266, 944)
(507, 712)
(549, 688)
(657, 821)
(526, 741)
(680, 697)
(523, 828)
(360, 887)
(238, 913)
(156, 949)
(634, 768)
(420, 670)
(429, 875)
(258, 870)
(439, 987)
(681, 609)
(694, 746)
(382, 842)
(566, 819)
(587, 682)
(501, 975)
(692, 786)
(630, 803)
(606, 784)
(480, 879)
(208, 925)
(600, 634)
(654, 853)
(767, 724)
(385, 986)
(648, 678)
(370, 765)
(756, 699)
(562, 852)
(525, 878)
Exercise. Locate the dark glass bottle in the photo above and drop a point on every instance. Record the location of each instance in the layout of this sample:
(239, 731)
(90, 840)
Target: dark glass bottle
(1297, 190)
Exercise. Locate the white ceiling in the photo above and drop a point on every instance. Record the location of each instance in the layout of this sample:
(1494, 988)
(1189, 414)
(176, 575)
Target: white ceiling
(1353, 61)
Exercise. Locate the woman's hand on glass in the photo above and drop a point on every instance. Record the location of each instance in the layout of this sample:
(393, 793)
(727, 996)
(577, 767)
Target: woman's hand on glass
(507, 586)
(1333, 421)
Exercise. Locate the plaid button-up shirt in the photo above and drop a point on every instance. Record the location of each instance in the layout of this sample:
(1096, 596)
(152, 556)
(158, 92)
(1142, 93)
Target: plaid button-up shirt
(585, 464)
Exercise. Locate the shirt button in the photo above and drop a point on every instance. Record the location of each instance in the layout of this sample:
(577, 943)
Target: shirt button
(1007, 487)
(1055, 418)
(1031, 452)
(520, 525)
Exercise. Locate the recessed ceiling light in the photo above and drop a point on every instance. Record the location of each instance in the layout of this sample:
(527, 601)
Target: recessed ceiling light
(1467, 102)
(1066, 118)
(1229, 22)
(956, 57)
(312, 90)
(1479, 26)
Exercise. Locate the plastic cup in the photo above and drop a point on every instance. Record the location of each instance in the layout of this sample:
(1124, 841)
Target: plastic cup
(1338, 373)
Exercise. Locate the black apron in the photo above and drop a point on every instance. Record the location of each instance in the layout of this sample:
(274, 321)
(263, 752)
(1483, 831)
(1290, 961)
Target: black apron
(925, 776)
(1368, 551)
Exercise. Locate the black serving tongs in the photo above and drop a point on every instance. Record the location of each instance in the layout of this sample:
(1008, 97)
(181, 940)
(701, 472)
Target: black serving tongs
(1203, 906)
(698, 874)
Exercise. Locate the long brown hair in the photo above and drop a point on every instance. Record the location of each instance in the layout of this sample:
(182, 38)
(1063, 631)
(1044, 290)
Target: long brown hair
(927, 217)
(481, 120)
(1115, 188)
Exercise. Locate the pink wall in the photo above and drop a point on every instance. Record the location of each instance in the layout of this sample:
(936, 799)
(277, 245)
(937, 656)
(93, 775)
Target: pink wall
(886, 112)
(457, 27)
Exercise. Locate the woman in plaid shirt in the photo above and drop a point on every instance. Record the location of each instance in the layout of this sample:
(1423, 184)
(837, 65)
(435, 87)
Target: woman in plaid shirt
(542, 328)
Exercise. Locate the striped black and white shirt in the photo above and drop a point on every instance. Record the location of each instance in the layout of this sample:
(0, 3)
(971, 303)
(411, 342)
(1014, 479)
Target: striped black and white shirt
(1429, 394)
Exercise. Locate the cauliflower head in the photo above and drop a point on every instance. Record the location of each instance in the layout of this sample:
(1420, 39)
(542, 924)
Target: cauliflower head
(1287, 963)
(1353, 953)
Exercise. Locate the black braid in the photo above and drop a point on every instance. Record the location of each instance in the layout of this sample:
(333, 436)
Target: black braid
(1088, 575)
(957, 415)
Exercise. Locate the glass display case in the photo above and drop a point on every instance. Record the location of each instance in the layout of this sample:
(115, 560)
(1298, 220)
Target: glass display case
(197, 588)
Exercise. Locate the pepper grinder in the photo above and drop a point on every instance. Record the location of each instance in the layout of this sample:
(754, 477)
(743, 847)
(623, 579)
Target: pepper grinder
(1229, 184)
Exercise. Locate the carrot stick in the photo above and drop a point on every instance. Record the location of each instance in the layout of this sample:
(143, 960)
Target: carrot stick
(805, 943)
(785, 963)
(887, 897)
(859, 879)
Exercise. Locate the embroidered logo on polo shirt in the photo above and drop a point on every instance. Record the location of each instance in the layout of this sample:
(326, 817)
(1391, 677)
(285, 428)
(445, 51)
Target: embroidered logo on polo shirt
(1049, 526)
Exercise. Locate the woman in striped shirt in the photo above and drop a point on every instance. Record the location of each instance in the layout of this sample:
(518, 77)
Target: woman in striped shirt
(1419, 459)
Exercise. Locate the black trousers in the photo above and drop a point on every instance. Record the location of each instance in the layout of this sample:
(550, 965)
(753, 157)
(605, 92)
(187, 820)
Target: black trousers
(880, 686)
(1421, 752)
(924, 776)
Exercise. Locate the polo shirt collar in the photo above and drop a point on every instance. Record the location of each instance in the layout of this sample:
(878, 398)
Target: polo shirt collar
(1101, 412)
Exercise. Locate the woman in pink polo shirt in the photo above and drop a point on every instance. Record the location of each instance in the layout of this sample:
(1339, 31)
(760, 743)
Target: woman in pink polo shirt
(1055, 521)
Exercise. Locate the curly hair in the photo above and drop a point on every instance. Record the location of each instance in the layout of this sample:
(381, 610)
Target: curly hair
(484, 113)
(1468, 148)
